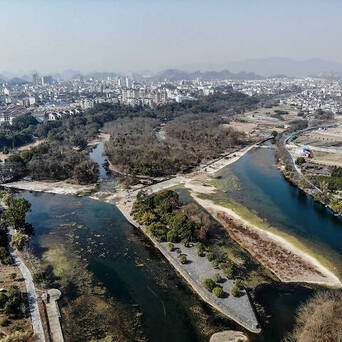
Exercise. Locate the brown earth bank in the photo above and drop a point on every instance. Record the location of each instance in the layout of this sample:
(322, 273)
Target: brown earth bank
(281, 261)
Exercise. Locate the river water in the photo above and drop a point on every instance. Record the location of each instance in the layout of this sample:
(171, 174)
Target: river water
(97, 155)
(261, 188)
(134, 273)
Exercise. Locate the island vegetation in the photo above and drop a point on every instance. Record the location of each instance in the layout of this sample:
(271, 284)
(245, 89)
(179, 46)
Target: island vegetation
(190, 139)
(167, 219)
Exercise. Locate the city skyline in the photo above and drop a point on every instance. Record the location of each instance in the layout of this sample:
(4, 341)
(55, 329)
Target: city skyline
(137, 36)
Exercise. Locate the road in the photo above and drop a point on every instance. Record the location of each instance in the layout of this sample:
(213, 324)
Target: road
(286, 139)
(31, 293)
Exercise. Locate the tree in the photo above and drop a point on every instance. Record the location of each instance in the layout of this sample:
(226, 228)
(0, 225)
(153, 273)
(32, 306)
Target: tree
(218, 292)
(210, 256)
(208, 284)
(13, 276)
(148, 218)
(170, 246)
(86, 172)
(183, 259)
(19, 241)
(172, 236)
(158, 230)
(16, 213)
(300, 161)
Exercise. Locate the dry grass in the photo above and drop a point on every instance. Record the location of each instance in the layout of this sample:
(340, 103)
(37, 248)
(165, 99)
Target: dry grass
(320, 319)
(22, 323)
(283, 262)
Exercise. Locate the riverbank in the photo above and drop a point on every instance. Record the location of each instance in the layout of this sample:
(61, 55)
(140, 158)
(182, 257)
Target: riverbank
(287, 262)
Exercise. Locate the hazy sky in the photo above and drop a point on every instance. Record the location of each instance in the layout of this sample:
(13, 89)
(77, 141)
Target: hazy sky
(128, 35)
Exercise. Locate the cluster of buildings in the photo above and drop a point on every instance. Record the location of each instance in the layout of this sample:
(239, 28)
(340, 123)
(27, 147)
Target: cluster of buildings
(50, 99)
(306, 94)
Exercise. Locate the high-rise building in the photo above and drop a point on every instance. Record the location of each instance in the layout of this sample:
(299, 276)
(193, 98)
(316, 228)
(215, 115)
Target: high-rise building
(128, 82)
(47, 80)
(35, 78)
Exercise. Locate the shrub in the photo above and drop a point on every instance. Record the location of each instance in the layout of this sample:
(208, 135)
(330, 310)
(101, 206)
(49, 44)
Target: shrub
(218, 292)
(300, 160)
(170, 246)
(217, 278)
(38, 277)
(227, 269)
(210, 256)
(13, 276)
(183, 259)
(215, 263)
(3, 299)
(236, 288)
(186, 242)
(19, 241)
(178, 251)
(200, 249)
(5, 322)
(208, 284)
(172, 236)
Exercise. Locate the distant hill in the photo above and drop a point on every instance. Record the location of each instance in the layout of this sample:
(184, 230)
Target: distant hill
(287, 66)
(177, 75)
(17, 80)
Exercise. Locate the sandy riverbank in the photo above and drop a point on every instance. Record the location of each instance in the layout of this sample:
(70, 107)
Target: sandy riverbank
(61, 188)
(287, 262)
(227, 160)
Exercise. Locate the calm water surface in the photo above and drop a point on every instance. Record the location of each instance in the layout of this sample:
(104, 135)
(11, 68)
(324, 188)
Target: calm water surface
(264, 190)
(97, 155)
(131, 269)
(135, 273)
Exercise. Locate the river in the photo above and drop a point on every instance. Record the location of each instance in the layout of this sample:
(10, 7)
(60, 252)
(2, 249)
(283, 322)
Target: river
(135, 274)
(262, 189)
(97, 155)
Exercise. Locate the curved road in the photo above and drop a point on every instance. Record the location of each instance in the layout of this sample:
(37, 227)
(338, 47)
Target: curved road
(31, 293)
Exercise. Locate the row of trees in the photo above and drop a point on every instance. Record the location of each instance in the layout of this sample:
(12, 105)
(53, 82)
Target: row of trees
(14, 216)
(51, 161)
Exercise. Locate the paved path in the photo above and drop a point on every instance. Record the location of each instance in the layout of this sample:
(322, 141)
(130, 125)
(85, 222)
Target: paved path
(31, 294)
(239, 309)
(54, 315)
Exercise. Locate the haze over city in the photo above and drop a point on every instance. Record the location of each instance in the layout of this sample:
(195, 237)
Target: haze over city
(170, 171)
(122, 36)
